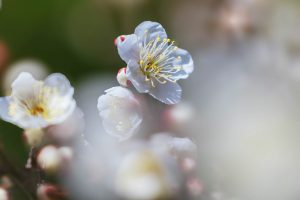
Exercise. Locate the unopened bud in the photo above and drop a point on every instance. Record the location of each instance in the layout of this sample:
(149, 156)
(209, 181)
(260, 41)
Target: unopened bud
(188, 164)
(66, 153)
(3, 194)
(49, 192)
(49, 159)
(179, 115)
(122, 77)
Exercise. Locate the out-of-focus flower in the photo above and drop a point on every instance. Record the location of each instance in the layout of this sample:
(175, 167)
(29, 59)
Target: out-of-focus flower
(38, 104)
(120, 112)
(154, 63)
(179, 147)
(4, 194)
(38, 70)
(34, 137)
(122, 78)
(141, 177)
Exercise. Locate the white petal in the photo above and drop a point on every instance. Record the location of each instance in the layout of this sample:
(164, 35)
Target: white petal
(183, 59)
(137, 78)
(150, 30)
(4, 104)
(129, 48)
(22, 87)
(168, 93)
(60, 82)
(119, 92)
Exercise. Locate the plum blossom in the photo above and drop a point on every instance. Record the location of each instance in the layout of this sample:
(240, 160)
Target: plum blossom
(37, 104)
(120, 112)
(154, 63)
(142, 175)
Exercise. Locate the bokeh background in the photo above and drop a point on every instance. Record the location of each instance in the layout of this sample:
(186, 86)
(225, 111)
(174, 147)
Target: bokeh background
(244, 91)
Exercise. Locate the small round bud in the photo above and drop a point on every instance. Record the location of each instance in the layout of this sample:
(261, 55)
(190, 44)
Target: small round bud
(3, 194)
(122, 77)
(188, 164)
(49, 159)
(34, 137)
(179, 115)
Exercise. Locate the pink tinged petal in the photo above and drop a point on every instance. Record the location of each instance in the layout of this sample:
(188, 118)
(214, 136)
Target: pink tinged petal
(128, 48)
(168, 93)
(150, 30)
(137, 78)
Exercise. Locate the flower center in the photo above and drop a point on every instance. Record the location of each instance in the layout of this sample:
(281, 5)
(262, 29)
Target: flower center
(37, 110)
(157, 61)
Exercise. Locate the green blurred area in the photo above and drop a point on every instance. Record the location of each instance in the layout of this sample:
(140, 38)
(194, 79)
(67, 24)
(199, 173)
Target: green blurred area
(73, 37)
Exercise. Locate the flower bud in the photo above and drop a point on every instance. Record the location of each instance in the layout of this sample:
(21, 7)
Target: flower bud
(49, 159)
(122, 77)
(66, 153)
(179, 115)
(49, 192)
(188, 164)
(34, 137)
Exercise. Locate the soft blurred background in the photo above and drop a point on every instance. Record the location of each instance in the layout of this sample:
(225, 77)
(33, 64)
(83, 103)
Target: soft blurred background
(244, 92)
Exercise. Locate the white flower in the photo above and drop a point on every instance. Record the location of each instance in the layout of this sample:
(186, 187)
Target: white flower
(141, 176)
(120, 112)
(37, 104)
(154, 63)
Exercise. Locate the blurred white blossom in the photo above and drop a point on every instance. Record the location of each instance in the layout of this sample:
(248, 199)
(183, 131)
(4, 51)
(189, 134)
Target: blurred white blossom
(37, 104)
(141, 176)
(174, 145)
(120, 112)
(154, 63)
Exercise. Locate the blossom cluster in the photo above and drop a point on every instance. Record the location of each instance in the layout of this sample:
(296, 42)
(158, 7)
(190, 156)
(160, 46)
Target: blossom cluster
(161, 166)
